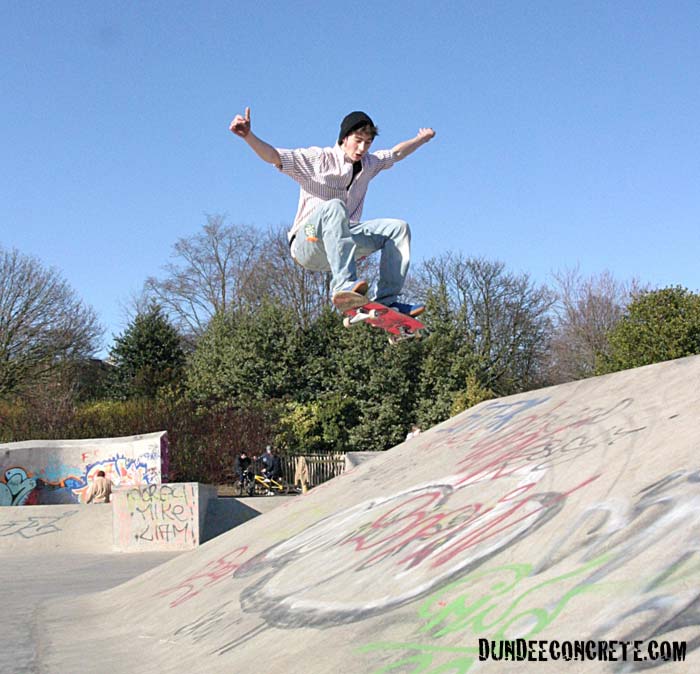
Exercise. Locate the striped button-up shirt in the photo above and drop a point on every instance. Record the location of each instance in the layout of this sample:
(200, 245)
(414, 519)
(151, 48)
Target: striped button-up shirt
(324, 173)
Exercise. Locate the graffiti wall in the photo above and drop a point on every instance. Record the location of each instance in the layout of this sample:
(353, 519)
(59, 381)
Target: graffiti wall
(60, 471)
(161, 516)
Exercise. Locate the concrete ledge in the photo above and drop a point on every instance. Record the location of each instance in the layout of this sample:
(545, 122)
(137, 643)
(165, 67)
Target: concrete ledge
(178, 516)
(160, 516)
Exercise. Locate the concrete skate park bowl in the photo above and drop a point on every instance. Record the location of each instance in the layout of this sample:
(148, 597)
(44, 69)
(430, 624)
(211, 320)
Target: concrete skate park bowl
(565, 516)
(48, 472)
(43, 485)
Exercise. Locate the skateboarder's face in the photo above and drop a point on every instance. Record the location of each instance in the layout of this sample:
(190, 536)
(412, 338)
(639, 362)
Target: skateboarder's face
(356, 145)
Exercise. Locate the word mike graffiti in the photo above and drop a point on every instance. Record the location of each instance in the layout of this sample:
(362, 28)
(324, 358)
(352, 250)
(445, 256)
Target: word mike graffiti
(160, 513)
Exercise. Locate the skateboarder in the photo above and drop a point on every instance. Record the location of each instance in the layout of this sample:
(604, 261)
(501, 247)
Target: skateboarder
(328, 233)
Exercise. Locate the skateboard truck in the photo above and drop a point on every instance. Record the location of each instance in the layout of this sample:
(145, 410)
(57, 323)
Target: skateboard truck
(361, 316)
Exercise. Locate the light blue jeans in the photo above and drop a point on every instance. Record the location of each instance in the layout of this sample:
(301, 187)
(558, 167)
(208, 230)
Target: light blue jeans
(329, 242)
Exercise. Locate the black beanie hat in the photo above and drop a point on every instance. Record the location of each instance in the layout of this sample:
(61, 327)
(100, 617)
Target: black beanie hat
(351, 122)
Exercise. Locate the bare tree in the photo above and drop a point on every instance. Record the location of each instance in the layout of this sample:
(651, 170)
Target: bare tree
(43, 325)
(233, 268)
(212, 272)
(504, 317)
(279, 278)
(586, 310)
(282, 280)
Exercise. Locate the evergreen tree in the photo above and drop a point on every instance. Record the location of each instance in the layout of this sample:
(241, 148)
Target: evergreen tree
(449, 358)
(147, 356)
(246, 355)
(376, 384)
(356, 392)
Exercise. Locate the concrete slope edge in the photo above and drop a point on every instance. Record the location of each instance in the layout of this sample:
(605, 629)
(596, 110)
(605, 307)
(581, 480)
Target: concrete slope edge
(565, 515)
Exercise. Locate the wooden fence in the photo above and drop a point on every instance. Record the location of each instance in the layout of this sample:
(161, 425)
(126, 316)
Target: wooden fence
(322, 467)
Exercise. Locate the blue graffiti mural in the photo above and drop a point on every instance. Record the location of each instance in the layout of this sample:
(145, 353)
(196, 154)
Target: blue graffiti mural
(16, 488)
(68, 484)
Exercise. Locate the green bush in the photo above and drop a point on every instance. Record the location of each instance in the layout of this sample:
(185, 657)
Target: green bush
(658, 325)
(203, 441)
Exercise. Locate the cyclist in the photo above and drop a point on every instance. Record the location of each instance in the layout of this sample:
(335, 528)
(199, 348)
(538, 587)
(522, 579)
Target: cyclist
(272, 465)
(244, 471)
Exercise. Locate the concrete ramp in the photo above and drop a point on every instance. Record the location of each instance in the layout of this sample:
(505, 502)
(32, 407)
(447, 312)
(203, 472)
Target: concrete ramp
(568, 517)
(28, 530)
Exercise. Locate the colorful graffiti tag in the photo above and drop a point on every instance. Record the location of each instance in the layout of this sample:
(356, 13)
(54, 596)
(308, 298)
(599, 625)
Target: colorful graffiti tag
(61, 470)
(122, 471)
(17, 487)
(405, 544)
(587, 561)
(21, 486)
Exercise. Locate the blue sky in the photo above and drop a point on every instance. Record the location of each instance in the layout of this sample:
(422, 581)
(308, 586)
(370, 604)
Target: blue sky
(567, 132)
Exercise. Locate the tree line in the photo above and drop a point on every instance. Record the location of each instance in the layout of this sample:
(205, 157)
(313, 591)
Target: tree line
(235, 346)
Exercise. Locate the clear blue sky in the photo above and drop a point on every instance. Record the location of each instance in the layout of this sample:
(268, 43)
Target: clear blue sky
(567, 132)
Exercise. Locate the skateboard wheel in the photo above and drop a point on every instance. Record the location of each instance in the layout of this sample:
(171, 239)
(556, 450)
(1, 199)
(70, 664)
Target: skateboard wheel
(346, 322)
(373, 313)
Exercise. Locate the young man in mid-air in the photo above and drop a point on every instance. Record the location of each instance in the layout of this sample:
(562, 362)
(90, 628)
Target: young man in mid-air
(328, 233)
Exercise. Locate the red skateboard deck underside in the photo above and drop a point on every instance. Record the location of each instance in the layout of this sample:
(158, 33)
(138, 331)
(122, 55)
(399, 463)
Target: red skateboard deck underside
(388, 319)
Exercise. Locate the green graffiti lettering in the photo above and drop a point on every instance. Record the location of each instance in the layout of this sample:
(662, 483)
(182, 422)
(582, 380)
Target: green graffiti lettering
(424, 657)
(480, 612)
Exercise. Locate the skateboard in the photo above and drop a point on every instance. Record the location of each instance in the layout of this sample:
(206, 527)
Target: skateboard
(399, 326)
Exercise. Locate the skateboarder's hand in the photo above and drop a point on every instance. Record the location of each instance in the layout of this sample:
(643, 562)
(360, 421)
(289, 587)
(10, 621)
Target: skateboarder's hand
(241, 125)
(425, 134)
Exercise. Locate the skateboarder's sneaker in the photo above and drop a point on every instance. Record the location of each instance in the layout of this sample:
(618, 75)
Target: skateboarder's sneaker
(359, 286)
(412, 310)
(352, 294)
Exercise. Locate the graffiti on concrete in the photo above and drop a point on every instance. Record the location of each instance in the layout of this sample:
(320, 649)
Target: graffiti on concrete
(590, 559)
(63, 470)
(16, 487)
(160, 513)
(34, 525)
(532, 443)
(121, 470)
(390, 551)
(211, 574)
(393, 550)
(434, 547)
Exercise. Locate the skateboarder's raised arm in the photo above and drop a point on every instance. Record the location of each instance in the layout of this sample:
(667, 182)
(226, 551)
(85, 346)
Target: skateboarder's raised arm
(402, 150)
(241, 127)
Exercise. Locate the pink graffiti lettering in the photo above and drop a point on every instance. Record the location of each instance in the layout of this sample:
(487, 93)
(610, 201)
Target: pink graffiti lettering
(213, 573)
